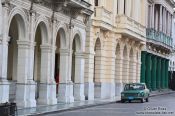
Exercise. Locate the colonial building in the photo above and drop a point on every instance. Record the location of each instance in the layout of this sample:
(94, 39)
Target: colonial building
(115, 37)
(91, 56)
(41, 40)
(159, 44)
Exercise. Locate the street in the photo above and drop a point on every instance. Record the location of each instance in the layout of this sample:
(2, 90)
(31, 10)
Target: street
(163, 105)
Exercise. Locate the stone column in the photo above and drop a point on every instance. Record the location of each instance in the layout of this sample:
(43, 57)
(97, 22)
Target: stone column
(143, 66)
(30, 80)
(160, 19)
(165, 19)
(166, 73)
(132, 70)
(22, 74)
(65, 91)
(4, 84)
(118, 75)
(164, 82)
(162, 73)
(153, 15)
(79, 77)
(158, 73)
(128, 7)
(99, 85)
(47, 84)
(138, 68)
(153, 75)
(125, 70)
(148, 70)
(89, 73)
(121, 7)
(4, 39)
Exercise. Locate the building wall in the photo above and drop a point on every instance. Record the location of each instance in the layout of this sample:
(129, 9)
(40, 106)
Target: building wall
(28, 48)
(159, 44)
(112, 52)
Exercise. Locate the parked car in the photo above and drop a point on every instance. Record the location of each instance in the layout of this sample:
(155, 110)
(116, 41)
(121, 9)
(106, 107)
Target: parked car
(135, 91)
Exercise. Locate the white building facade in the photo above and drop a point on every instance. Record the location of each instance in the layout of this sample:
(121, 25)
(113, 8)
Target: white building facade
(38, 42)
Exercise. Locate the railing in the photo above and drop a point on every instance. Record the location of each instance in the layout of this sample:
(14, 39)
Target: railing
(159, 37)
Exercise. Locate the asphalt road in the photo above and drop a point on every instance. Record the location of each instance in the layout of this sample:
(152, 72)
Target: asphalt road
(163, 105)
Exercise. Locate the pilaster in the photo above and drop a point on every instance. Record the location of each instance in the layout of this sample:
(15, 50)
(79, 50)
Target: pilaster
(65, 91)
(47, 89)
(4, 84)
(125, 71)
(23, 91)
(118, 75)
(121, 7)
(79, 77)
(148, 70)
(153, 75)
(158, 73)
(166, 73)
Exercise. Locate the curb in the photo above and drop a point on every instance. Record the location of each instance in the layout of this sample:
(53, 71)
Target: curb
(88, 106)
(72, 108)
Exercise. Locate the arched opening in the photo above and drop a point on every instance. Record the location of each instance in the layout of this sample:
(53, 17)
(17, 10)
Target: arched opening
(117, 53)
(125, 65)
(16, 31)
(75, 48)
(137, 68)
(131, 66)
(96, 77)
(40, 36)
(117, 69)
(37, 59)
(60, 43)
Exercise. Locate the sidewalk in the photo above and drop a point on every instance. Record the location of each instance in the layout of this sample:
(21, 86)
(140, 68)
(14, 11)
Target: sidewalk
(77, 105)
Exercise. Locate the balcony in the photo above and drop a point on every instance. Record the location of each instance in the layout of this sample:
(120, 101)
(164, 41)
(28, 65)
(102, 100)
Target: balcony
(159, 38)
(103, 18)
(129, 27)
(78, 5)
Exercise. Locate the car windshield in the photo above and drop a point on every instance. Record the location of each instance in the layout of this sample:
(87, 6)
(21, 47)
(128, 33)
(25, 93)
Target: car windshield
(134, 87)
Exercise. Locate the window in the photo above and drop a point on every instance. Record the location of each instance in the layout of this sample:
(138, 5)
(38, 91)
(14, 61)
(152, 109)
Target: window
(96, 2)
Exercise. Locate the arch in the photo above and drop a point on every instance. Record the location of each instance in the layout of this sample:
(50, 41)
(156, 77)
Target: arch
(16, 31)
(97, 47)
(22, 22)
(97, 66)
(62, 36)
(131, 54)
(117, 50)
(43, 24)
(77, 42)
(61, 29)
(125, 52)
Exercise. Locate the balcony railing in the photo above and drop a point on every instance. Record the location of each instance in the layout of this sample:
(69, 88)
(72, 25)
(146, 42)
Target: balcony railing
(159, 38)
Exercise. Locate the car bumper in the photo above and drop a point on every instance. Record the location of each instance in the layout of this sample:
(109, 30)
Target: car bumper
(131, 98)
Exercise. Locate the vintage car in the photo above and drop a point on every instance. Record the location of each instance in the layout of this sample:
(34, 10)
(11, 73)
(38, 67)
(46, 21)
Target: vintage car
(135, 91)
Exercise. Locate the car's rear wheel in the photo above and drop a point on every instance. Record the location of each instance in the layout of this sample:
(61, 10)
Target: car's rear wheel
(122, 100)
(147, 99)
(129, 101)
(142, 100)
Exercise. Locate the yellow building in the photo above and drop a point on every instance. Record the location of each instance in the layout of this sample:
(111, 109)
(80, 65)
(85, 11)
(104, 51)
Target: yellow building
(116, 34)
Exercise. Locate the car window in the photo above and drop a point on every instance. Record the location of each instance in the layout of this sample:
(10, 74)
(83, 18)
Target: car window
(134, 87)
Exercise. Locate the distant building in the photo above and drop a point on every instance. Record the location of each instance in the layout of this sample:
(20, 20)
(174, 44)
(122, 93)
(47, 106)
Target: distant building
(159, 44)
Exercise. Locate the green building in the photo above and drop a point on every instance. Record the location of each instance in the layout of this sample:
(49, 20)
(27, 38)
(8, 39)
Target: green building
(154, 57)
